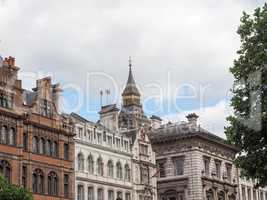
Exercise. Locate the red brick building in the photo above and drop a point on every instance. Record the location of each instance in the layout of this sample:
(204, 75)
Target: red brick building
(36, 142)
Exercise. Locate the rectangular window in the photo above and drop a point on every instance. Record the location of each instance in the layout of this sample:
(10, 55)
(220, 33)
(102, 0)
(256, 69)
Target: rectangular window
(178, 166)
(145, 175)
(89, 135)
(46, 108)
(127, 196)
(110, 195)
(80, 194)
(218, 168)
(161, 168)
(143, 149)
(66, 151)
(207, 166)
(100, 194)
(117, 142)
(6, 101)
(229, 172)
(90, 193)
(110, 141)
(99, 138)
(25, 141)
(24, 176)
(66, 185)
(126, 145)
(80, 132)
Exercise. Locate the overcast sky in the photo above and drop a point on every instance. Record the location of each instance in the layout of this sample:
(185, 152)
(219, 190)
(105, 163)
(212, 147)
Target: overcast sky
(181, 51)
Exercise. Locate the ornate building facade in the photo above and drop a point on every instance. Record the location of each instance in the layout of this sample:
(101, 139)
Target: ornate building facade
(193, 163)
(114, 157)
(36, 142)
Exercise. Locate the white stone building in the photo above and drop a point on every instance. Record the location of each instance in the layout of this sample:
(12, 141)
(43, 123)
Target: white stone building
(103, 166)
(114, 157)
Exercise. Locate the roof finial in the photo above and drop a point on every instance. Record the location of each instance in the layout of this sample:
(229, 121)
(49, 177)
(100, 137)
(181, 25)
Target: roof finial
(130, 61)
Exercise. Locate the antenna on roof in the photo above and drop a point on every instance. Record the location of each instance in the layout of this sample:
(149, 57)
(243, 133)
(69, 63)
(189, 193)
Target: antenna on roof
(101, 96)
(107, 95)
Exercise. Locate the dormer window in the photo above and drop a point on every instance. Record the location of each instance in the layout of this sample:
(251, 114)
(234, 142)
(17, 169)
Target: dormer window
(46, 108)
(6, 101)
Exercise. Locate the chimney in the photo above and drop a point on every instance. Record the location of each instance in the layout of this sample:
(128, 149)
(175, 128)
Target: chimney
(192, 120)
(109, 115)
(155, 121)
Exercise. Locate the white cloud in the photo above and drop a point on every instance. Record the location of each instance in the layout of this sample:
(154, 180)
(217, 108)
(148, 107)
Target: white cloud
(212, 118)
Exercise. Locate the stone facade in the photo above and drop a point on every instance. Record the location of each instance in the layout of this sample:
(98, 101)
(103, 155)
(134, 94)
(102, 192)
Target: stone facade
(119, 145)
(193, 164)
(34, 136)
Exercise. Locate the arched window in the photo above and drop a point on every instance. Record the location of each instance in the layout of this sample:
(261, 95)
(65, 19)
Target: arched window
(80, 162)
(90, 193)
(55, 149)
(35, 144)
(90, 164)
(127, 172)
(80, 193)
(100, 166)
(38, 181)
(52, 183)
(100, 194)
(209, 195)
(48, 148)
(119, 170)
(221, 195)
(42, 146)
(110, 168)
(5, 170)
(12, 136)
(4, 135)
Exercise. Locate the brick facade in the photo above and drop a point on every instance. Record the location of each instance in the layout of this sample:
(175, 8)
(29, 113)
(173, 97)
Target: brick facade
(40, 133)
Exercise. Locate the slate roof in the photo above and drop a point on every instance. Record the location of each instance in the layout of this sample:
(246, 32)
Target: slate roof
(175, 131)
(29, 97)
(130, 88)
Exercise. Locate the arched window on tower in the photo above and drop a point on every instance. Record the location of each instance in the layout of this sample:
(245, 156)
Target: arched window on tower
(5, 170)
(52, 184)
(38, 181)
(80, 162)
(90, 164)
(110, 168)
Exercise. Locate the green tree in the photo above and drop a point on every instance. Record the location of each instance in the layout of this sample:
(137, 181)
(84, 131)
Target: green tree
(13, 192)
(248, 125)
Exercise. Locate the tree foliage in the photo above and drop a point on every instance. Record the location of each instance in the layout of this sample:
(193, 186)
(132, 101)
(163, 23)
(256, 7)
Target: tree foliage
(248, 125)
(13, 192)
